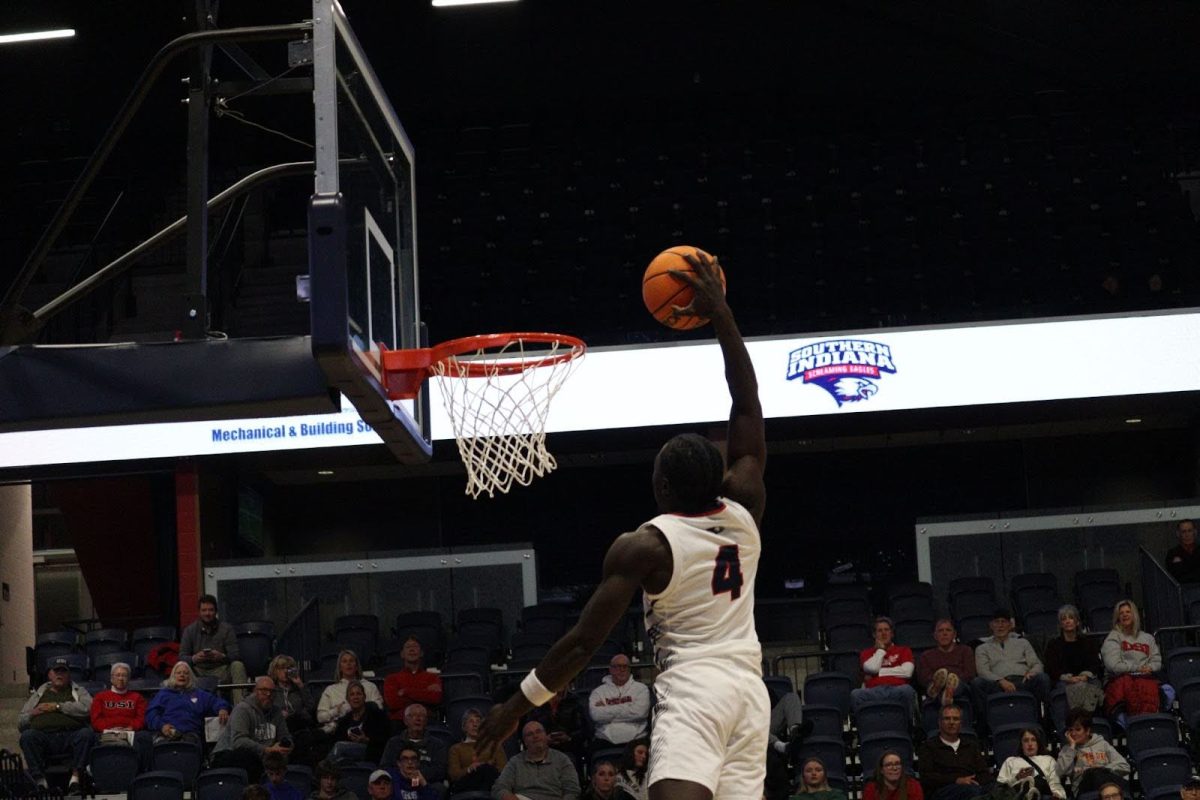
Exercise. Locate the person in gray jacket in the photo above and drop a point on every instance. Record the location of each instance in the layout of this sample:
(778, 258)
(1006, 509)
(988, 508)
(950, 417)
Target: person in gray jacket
(1087, 759)
(211, 647)
(256, 726)
(1008, 663)
(538, 772)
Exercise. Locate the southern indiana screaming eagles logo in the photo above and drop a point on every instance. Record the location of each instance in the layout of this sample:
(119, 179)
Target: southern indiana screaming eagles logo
(842, 367)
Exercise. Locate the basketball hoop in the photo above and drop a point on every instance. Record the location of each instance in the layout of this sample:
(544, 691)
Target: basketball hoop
(496, 389)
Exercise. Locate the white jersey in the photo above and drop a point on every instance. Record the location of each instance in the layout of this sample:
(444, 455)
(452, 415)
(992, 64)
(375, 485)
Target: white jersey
(707, 609)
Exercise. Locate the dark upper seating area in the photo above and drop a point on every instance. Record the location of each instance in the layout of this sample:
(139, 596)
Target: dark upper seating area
(1038, 205)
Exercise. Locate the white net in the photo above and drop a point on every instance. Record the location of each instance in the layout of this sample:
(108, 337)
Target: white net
(499, 416)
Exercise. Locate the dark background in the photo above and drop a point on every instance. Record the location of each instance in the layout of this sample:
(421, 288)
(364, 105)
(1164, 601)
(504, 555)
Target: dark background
(811, 101)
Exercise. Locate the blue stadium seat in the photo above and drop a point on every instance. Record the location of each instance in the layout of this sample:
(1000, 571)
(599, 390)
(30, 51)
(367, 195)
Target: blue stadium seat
(221, 784)
(182, 757)
(1146, 732)
(1011, 708)
(826, 720)
(103, 641)
(354, 778)
(113, 767)
(1006, 741)
(883, 716)
(157, 785)
(1163, 767)
(1182, 664)
(828, 689)
(301, 777)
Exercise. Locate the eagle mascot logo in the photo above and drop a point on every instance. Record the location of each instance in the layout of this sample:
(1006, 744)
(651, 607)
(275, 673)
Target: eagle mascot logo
(846, 368)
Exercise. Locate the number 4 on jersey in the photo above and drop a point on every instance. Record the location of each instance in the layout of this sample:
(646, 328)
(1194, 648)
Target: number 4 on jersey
(727, 574)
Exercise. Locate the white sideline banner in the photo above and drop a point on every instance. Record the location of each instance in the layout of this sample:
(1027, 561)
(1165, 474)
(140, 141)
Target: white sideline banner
(669, 384)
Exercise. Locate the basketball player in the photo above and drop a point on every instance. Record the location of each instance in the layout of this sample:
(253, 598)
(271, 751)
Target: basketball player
(696, 563)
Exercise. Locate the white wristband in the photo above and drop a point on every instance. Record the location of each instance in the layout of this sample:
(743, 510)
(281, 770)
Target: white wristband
(534, 691)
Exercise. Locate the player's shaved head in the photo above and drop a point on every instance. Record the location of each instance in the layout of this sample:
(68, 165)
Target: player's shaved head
(687, 474)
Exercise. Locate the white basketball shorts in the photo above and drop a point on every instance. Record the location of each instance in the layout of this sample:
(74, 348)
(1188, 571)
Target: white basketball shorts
(712, 718)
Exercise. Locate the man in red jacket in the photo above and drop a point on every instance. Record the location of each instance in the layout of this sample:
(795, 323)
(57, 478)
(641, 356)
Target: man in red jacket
(411, 684)
(119, 711)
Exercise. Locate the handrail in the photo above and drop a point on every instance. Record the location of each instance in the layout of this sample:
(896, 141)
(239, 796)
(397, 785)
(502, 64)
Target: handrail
(132, 103)
(118, 265)
(301, 637)
(1162, 596)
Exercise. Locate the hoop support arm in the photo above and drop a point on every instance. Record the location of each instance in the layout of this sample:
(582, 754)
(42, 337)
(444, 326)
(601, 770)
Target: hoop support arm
(404, 371)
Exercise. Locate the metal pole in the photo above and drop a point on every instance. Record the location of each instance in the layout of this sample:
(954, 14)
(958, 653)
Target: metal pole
(15, 329)
(193, 322)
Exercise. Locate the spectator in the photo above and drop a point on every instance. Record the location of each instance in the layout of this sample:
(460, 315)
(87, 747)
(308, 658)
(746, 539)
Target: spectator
(1073, 660)
(177, 711)
(328, 774)
(54, 721)
(887, 668)
(1190, 790)
(211, 647)
(537, 772)
(1131, 659)
(1007, 663)
(332, 704)
(434, 758)
(363, 731)
(952, 768)
(1087, 759)
(945, 672)
(379, 785)
(256, 727)
(121, 714)
(603, 785)
(1112, 791)
(1034, 765)
(631, 779)
(1183, 560)
(412, 683)
(566, 723)
(814, 783)
(788, 731)
(274, 765)
(619, 706)
(891, 782)
(309, 741)
(469, 770)
(407, 781)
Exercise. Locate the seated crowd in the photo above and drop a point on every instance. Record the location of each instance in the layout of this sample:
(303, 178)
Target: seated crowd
(1117, 680)
(596, 744)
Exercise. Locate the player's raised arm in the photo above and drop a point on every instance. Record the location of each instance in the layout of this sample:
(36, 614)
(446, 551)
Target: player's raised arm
(746, 448)
(630, 559)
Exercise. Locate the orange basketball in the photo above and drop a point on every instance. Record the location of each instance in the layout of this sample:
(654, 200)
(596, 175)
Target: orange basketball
(661, 290)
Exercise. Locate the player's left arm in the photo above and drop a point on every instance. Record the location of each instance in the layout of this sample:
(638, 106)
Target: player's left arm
(630, 560)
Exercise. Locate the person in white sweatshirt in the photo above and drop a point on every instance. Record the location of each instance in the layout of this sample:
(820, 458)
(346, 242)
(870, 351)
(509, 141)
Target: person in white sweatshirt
(1131, 662)
(887, 670)
(619, 706)
(333, 704)
(1033, 764)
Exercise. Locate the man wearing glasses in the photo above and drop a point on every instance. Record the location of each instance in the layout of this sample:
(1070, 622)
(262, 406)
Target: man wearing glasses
(1110, 791)
(952, 768)
(619, 706)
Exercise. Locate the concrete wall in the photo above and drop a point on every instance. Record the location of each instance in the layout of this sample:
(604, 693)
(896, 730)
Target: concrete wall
(17, 608)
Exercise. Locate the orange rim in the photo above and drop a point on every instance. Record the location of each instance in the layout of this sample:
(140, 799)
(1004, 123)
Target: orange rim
(570, 347)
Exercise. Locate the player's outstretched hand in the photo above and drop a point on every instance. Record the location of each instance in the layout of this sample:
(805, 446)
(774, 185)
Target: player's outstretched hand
(706, 280)
(498, 725)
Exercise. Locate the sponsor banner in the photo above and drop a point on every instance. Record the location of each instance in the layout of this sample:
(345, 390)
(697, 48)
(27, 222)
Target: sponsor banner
(884, 370)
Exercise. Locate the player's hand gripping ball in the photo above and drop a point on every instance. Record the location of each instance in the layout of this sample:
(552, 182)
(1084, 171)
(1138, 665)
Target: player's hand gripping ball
(663, 292)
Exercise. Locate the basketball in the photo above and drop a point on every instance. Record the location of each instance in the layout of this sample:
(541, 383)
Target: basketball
(661, 290)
